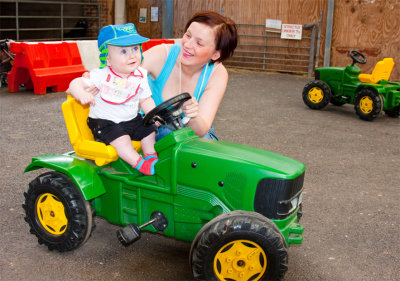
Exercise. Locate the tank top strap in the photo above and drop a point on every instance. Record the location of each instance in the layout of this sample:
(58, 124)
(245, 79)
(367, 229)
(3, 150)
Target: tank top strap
(203, 80)
(157, 85)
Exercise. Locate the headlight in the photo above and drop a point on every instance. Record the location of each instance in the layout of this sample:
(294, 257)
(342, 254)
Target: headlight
(287, 207)
(278, 198)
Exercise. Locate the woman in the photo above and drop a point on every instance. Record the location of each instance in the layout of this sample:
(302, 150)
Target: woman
(195, 67)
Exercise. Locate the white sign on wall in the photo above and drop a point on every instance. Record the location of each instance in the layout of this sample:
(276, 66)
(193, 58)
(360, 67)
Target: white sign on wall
(143, 15)
(154, 14)
(275, 24)
(291, 31)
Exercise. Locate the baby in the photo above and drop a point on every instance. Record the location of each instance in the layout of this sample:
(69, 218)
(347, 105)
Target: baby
(121, 88)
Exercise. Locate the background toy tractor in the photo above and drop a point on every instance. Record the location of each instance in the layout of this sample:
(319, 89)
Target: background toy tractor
(238, 205)
(370, 93)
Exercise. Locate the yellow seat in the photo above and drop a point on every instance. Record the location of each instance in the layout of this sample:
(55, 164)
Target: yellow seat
(75, 115)
(382, 71)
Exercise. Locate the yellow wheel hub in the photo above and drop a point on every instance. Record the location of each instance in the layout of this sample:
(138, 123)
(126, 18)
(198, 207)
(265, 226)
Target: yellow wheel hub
(315, 95)
(240, 260)
(51, 214)
(366, 104)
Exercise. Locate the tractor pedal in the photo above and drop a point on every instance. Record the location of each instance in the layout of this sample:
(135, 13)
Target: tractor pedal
(131, 233)
(128, 234)
(337, 97)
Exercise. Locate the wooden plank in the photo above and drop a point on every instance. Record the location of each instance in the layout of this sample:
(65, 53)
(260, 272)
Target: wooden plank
(149, 29)
(184, 9)
(110, 12)
(371, 27)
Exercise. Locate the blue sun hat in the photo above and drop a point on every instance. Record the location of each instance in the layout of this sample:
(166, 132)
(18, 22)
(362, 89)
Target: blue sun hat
(118, 35)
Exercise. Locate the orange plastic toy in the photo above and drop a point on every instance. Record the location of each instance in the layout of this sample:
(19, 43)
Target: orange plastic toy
(153, 42)
(43, 65)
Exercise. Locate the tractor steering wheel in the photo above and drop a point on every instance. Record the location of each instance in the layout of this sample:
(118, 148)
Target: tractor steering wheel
(356, 56)
(168, 112)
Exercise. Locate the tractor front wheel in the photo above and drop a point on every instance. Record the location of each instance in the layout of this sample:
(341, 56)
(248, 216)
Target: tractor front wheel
(368, 104)
(239, 245)
(57, 213)
(317, 94)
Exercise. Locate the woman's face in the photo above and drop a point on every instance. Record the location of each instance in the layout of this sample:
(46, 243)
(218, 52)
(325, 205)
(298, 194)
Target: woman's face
(198, 45)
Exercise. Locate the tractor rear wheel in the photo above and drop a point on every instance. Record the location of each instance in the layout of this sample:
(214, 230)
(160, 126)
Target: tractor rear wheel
(57, 213)
(317, 94)
(239, 245)
(368, 104)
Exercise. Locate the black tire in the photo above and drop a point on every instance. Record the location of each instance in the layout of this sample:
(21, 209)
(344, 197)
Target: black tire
(368, 104)
(239, 242)
(57, 213)
(317, 94)
(394, 113)
(3, 80)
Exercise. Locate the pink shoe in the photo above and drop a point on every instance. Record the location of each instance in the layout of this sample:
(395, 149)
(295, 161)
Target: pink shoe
(150, 155)
(146, 166)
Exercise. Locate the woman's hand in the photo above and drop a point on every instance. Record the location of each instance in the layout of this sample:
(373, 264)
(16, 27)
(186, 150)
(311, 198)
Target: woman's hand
(82, 91)
(191, 108)
(88, 94)
(90, 91)
(86, 75)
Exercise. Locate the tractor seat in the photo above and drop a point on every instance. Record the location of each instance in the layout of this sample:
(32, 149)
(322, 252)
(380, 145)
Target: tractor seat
(81, 137)
(382, 71)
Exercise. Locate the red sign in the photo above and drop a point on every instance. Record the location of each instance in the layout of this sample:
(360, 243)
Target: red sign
(291, 31)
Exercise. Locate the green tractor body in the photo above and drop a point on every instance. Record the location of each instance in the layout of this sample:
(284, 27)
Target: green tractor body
(196, 181)
(239, 206)
(341, 85)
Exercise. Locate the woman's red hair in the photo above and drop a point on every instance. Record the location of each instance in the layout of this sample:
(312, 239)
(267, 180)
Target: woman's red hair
(226, 32)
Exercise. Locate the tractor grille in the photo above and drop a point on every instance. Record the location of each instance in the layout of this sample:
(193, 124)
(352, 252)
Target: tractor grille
(277, 198)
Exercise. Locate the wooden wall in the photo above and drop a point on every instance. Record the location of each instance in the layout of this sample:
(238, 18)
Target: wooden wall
(148, 29)
(107, 11)
(370, 26)
(252, 11)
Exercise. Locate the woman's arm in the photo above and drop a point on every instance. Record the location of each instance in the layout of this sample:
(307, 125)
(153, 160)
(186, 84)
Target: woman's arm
(155, 58)
(202, 114)
(82, 92)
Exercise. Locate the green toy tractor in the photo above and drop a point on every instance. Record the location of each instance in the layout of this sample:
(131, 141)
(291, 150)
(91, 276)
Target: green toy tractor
(370, 93)
(239, 206)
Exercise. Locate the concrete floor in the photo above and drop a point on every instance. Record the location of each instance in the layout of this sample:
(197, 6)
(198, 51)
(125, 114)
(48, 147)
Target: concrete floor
(351, 199)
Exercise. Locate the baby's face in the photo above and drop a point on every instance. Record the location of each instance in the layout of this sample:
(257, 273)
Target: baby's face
(124, 60)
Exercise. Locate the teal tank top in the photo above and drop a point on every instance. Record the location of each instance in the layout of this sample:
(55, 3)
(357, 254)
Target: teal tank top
(157, 85)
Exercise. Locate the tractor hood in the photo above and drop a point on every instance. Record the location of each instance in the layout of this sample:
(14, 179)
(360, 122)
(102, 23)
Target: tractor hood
(225, 155)
(232, 171)
(227, 174)
(213, 156)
